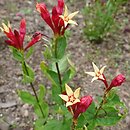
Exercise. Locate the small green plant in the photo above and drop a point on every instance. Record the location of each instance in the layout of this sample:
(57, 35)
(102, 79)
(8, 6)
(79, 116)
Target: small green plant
(68, 110)
(100, 19)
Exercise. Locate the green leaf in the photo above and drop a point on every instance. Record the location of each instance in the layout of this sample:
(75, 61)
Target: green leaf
(42, 92)
(29, 52)
(107, 121)
(44, 107)
(91, 125)
(47, 53)
(56, 90)
(28, 73)
(27, 97)
(18, 55)
(58, 125)
(108, 117)
(69, 74)
(51, 75)
(54, 76)
(112, 93)
(113, 99)
(90, 112)
(66, 125)
(53, 125)
(39, 124)
(62, 63)
(27, 79)
(81, 121)
(61, 46)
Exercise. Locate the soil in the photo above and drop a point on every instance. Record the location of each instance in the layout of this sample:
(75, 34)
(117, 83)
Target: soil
(114, 52)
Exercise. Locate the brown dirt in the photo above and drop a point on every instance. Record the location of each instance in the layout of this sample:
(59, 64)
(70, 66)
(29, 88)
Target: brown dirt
(113, 52)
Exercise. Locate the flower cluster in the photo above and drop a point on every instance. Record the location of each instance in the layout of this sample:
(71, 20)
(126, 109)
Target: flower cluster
(98, 75)
(75, 105)
(16, 38)
(57, 22)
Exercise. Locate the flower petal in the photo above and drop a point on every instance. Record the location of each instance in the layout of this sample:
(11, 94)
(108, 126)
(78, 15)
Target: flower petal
(96, 70)
(70, 16)
(33, 41)
(22, 29)
(95, 78)
(5, 27)
(69, 104)
(101, 77)
(66, 11)
(18, 43)
(77, 92)
(102, 69)
(10, 43)
(72, 22)
(64, 97)
(41, 7)
(60, 6)
(76, 100)
(91, 73)
(68, 90)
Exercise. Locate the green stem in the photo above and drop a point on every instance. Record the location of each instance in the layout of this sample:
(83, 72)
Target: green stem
(59, 75)
(57, 66)
(34, 91)
(101, 104)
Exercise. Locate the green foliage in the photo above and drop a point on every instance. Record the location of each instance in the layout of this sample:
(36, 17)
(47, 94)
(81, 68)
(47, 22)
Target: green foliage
(69, 73)
(63, 64)
(42, 92)
(28, 73)
(27, 97)
(60, 47)
(56, 90)
(18, 55)
(57, 125)
(53, 125)
(29, 52)
(100, 19)
(110, 113)
(51, 75)
(39, 124)
(44, 107)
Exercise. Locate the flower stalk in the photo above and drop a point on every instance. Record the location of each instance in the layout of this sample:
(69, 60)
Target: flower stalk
(101, 104)
(34, 91)
(74, 124)
(57, 65)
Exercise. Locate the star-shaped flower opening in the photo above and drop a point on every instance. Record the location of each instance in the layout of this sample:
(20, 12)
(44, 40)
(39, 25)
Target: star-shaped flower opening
(97, 74)
(72, 97)
(67, 18)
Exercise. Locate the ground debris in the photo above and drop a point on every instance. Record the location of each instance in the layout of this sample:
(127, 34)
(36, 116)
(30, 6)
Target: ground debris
(8, 104)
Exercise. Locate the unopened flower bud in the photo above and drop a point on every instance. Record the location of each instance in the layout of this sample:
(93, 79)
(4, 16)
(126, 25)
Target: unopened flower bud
(117, 81)
(82, 106)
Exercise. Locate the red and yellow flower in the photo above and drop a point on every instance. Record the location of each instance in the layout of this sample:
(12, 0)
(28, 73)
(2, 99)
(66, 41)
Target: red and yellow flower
(75, 105)
(72, 97)
(57, 22)
(16, 38)
(97, 74)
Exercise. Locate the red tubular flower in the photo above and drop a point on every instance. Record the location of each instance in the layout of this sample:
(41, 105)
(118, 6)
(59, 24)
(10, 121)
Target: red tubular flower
(74, 105)
(117, 81)
(57, 22)
(16, 38)
(54, 21)
(82, 106)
